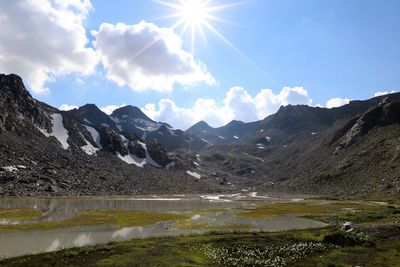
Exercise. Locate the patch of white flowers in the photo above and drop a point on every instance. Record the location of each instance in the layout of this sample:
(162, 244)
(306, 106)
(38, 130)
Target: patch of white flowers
(274, 256)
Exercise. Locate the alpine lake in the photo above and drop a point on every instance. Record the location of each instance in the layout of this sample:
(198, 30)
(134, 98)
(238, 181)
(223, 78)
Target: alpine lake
(243, 229)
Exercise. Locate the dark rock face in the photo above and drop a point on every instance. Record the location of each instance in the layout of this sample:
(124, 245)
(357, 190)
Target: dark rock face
(158, 154)
(90, 114)
(138, 150)
(111, 141)
(172, 139)
(379, 116)
(17, 105)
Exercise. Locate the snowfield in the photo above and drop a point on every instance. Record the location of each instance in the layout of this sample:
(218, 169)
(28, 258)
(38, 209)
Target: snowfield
(95, 135)
(89, 148)
(58, 131)
(132, 160)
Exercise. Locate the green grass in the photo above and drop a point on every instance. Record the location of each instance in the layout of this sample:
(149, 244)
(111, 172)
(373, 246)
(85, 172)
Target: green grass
(339, 212)
(19, 214)
(368, 214)
(385, 253)
(116, 219)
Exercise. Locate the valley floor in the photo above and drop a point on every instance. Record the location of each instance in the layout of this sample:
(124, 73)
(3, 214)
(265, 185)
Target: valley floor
(327, 247)
(374, 241)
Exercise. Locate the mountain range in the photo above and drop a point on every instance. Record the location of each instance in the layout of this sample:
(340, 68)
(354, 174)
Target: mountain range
(353, 149)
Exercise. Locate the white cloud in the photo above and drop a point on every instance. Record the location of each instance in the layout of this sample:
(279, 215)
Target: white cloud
(238, 104)
(146, 57)
(66, 107)
(383, 93)
(337, 102)
(110, 108)
(40, 39)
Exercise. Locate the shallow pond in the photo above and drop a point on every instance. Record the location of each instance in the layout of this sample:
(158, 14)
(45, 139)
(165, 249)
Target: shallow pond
(202, 214)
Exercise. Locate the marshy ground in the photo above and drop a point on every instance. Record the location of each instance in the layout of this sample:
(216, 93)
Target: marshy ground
(375, 241)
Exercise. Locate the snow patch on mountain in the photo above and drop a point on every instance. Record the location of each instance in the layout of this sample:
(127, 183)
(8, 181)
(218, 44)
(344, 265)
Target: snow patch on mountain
(170, 165)
(87, 121)
(147, 125)
(95, 135)
(260, 146)
(117, 123)
(89, 148)
(149, 159)
(58, 130)
(194, 174)
(208, 142)
(134, 160)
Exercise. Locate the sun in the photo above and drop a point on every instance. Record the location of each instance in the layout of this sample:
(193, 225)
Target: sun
(194, 16)
(194, 12)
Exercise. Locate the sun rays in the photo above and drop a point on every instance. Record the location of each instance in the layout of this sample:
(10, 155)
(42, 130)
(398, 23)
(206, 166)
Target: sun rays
(194, 17)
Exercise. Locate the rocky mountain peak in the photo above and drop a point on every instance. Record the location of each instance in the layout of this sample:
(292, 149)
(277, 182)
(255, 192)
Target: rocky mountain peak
(296, 118)
(12, 85)
(234, 123)
(17, 104)
(199, 127)
(90, 114)
(130, 111)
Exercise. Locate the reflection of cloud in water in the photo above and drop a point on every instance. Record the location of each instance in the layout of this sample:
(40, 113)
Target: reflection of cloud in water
(54, 246)
(6, 222)
(196, 217)
(124, 232)
(82, 240)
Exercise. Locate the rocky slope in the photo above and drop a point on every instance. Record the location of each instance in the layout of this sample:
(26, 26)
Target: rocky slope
(227, 134)
(44, 151)
(354, 149)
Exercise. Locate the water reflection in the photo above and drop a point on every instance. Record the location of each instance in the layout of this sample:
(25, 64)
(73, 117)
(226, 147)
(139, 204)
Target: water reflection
(58, 209)
(31, 242)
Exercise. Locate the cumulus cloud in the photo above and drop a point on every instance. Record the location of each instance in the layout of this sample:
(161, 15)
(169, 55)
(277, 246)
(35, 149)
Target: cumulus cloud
(146, 57)
(41, 39)
(337, 102)
(383, 93)
(110, 108)
(238, 104)
(66, 107)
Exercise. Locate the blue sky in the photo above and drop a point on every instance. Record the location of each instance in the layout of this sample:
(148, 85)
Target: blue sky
(331, 49)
